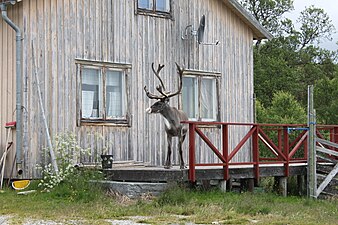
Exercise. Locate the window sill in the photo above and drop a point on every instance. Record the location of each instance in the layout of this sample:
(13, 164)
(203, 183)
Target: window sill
(145, 12)
(112, 123)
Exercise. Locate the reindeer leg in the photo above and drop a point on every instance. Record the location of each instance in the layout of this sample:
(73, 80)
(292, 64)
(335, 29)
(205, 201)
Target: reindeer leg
(180, 143)
(167, 164)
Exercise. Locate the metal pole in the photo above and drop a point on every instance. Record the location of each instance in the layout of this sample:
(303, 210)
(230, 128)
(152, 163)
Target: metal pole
(49, 142)
(311, 172)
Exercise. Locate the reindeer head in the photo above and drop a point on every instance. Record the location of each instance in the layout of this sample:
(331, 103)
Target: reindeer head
(164, 96)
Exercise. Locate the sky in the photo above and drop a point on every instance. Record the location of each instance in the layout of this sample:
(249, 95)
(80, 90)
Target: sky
(330, 7)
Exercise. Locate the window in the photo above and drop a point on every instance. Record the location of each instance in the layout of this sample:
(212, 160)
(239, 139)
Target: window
(154, 7)
(103, 92)
(200, 98)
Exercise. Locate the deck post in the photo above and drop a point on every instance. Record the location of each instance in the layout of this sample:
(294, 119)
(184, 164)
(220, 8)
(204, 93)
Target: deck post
(223, 185)
(286, 146)
(280, 142)
(192, 176)
(281, 185)
(311, 172)
(251, 185)
(225, 144)
(255, 153)
(247, 184)
(301, 184)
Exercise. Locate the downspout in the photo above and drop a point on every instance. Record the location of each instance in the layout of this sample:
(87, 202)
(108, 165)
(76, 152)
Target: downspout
(3, 7)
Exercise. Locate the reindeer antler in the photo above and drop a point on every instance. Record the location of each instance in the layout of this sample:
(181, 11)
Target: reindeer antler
(161, 88)
(157, 73)
(180, 72)
(151, 95)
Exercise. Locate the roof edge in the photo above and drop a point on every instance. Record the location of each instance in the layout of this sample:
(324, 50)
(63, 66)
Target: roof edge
(259, 32)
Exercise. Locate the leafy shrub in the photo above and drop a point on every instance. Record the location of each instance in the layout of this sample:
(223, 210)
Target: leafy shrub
(71, 182)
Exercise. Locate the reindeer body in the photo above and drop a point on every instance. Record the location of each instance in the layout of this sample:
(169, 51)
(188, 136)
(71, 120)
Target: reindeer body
(172, 116)
(172, 120)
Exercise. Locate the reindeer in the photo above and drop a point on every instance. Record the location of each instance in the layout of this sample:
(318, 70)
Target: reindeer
(172, 116)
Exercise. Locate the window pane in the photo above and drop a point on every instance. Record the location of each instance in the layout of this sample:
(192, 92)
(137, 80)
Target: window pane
(91, 93)
(114, 94)
(189, 96)
(163, 5)
(208, 98)
(145, 4)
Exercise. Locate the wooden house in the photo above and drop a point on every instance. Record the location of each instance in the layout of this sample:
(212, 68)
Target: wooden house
(93, 58)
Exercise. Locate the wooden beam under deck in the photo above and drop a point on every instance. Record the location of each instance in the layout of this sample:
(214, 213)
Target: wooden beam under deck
(159, 174)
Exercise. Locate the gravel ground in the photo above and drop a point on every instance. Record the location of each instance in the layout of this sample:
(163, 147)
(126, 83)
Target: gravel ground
(5, 220)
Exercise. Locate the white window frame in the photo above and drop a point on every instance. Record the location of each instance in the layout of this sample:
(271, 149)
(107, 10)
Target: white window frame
(103, 118)
(152, 10)
(199, 76)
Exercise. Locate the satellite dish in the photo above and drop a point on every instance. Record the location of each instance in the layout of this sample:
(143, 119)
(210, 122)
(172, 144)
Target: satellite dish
(200, 30)
(199, 33)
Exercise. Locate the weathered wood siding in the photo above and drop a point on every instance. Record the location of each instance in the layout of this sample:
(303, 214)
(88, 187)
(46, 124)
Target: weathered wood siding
(110, 31)
(7, 82)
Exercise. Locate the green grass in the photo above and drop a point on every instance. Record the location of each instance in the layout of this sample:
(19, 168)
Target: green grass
(177, 205)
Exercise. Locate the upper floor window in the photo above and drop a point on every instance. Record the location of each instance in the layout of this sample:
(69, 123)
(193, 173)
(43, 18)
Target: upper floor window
(103, 94)
(200, 99)
(154, 7)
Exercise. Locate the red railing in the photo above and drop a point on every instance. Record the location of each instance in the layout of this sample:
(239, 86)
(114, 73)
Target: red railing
(286, 142)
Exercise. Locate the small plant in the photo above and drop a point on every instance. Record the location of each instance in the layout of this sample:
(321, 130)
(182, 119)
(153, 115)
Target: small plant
(67, 153)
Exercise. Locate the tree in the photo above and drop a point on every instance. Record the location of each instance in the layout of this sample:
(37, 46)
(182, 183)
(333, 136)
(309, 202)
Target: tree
(274, 69)
(315, 25)
(291, 61)
(285, 109)
(326, 101)
(268, 12)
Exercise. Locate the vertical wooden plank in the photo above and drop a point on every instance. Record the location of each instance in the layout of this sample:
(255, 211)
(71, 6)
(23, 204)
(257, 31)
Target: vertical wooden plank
(79, 29)
(65, 65)
(60, 73)
(26, 84)
(37, 34)
(311, 173)
(72, 48)
(104, 26)
(97, 54)
(53, 120)
(87, 33)
(111, 21)
(32, 37)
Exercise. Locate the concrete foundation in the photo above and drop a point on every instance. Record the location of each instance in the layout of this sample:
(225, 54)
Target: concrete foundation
(135, 189)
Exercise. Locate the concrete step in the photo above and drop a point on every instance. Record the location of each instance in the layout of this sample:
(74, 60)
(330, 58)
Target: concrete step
(135, 189)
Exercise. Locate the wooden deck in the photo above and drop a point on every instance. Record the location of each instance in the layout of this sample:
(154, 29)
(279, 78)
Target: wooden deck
(144, 173)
